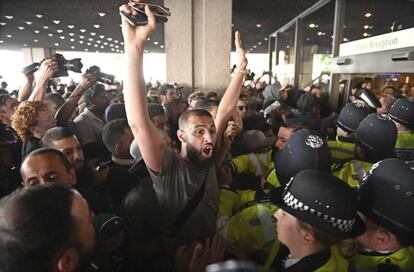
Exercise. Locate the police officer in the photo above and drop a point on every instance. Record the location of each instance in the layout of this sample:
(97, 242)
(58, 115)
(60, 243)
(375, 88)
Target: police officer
(387, 201)
(245, 217)
(348, 120)
(402, 113)
(312, 217)
(374, 141)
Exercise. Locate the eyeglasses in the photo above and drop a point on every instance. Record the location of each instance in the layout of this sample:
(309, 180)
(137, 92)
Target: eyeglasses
(242, 108)
(158, 10)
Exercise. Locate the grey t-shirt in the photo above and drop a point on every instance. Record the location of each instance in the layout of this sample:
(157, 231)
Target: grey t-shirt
(175, 185)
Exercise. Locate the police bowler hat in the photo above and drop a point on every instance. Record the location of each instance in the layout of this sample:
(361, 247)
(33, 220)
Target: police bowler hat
(304, 150)
(323, 201)
(376, 132)
(351, 116)
(386, 196)
(369, 98)
(402, 111)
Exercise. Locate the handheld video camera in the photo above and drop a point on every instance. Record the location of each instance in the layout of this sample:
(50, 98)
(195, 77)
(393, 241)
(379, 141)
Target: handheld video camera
(100, 76)
(74, 65)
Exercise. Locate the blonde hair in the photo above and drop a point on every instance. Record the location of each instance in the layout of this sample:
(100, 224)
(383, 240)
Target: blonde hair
(25, 117)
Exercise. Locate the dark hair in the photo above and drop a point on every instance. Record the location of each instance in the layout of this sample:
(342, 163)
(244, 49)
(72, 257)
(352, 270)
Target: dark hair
(182, 121)
(55, 98)
(173, 105)
(36, 225)
(155, 109)
(162, 90)
(113, 132)
(211, 94)
(55, 134)
(50, 151)
(206, 104)
(307, 102)
(3, 98)
(92, 92)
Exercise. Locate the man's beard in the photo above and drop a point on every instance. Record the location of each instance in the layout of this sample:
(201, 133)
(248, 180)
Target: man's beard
(196, 158)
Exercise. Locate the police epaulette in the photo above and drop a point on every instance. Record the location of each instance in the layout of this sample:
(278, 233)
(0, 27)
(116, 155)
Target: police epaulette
(252, 203)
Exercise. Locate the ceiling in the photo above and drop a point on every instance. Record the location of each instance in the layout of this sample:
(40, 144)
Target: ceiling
(93, 25)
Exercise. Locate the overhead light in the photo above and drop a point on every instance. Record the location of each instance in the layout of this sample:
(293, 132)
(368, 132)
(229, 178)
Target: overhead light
(21, 27)
(122, 43)
(50, 34)
(345, 39)
(95, 45)
(109, 39)
(39, 16)
(86, 50)
(72, 47)
(88, 43)
(96, 26)
(28, 23)
(93, 33)
(156, 43)
(45, 27)
(59, 30)
(116, 46)
(258, 25)
(116, 41)
(62, 37)
(2, 23)
(102, 14)
(287, 46)
(307, 39)
(365, 34)
(81, 37)
(102, 46)
(8, 17)
(71, 34)
(25, 44)
(71, 26)
(368, 14)
(259, 43)
(35, 40)
(97, 51)
(111, 45)
(102, 36)
(36, 31)
(368, 27)
(82, 30)
(162, 46)
(254, 46)
(105, 43)
(81, 42)
(72, 39)
(266, 38)
(98, 41)
(56, 44)
(91, 39)
(112, 49)
(321, 33)
(313, 25)
(1, 41)
(56, 22)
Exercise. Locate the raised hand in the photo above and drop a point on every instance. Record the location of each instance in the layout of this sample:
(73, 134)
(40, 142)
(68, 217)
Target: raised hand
(137, 35)
(241, 53)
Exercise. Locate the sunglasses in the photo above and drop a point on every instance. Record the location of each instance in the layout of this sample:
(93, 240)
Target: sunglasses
(158, 10)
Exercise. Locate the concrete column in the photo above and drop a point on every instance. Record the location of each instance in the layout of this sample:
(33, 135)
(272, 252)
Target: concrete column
(198, 43)
(31, 55)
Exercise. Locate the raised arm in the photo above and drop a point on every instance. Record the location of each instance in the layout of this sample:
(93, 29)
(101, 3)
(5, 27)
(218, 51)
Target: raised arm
(229, 101)
(26, 89)
(146, 134)
(65, 111)
(42, 76)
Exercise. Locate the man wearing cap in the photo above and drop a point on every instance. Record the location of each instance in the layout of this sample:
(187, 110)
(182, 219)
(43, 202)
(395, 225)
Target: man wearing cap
(258, 160)
(311, 218)
(348, 120)
(374, 140)
(91, 121)
(402, 113)
(386, 201)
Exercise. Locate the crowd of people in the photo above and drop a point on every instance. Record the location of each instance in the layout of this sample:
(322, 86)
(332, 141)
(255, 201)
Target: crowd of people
(141, 178)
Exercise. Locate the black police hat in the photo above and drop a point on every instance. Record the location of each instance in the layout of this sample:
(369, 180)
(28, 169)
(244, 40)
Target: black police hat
(402, 111)
(376, 132)
(322, 201)
(351, 115)
(386, 196)
(369, 98)
(304, 150)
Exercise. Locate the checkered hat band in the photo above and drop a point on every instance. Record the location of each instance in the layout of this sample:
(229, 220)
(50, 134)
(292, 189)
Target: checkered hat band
(341, 224)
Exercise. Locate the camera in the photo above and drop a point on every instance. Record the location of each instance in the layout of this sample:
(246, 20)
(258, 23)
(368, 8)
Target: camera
(100, 76)
(74, 65)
